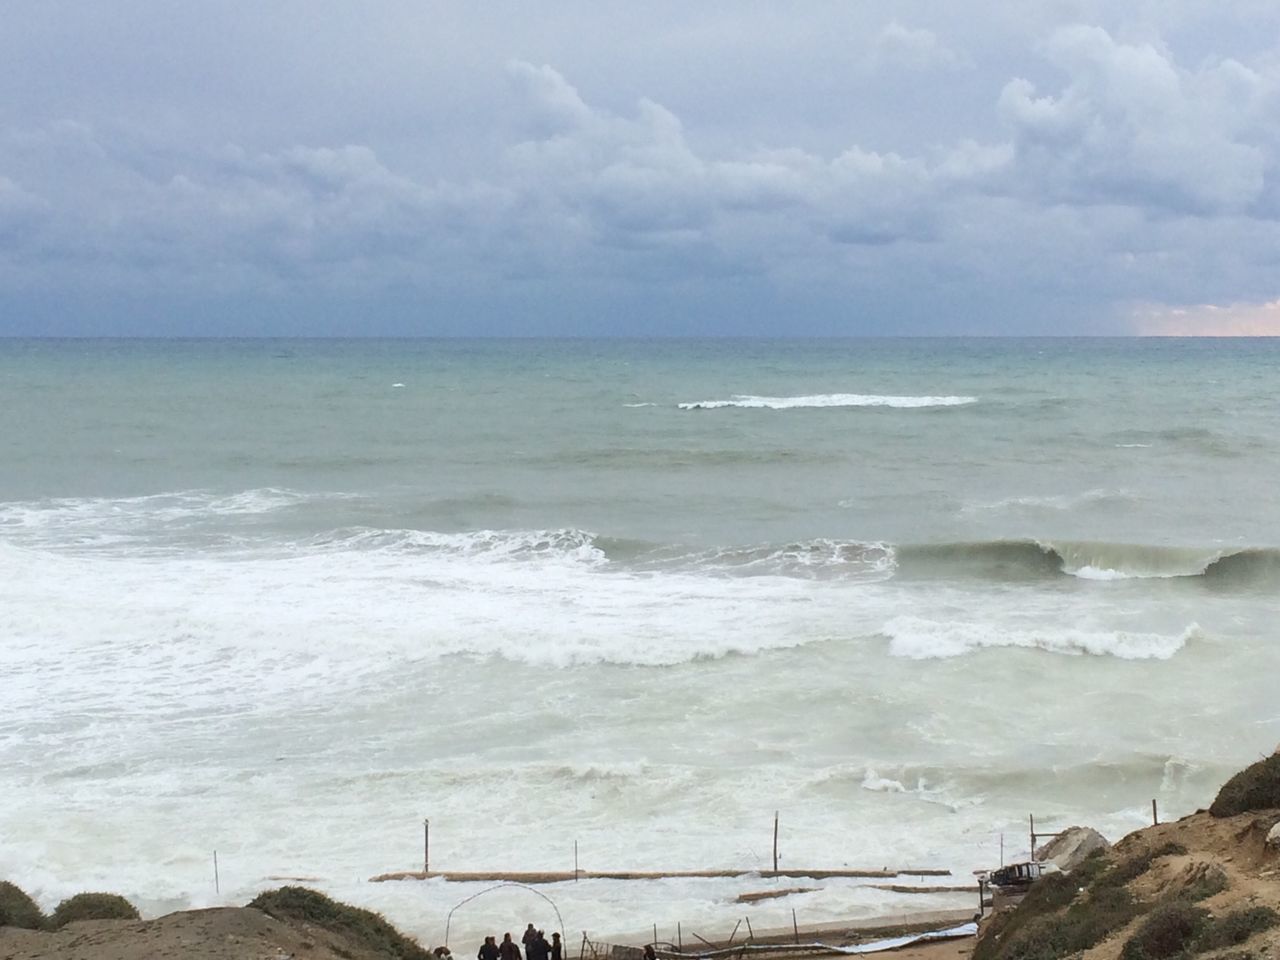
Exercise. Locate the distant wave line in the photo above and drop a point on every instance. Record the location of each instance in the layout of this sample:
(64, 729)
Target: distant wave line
(819, 400)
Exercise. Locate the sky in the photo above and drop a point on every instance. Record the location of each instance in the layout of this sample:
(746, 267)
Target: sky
(669, 168)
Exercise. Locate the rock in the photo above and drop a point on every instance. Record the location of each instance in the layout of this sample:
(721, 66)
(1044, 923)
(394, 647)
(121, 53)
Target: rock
(1071, 847)
(1273, 837)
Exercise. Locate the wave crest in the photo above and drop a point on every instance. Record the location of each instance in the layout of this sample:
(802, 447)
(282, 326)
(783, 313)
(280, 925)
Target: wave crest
(751, 402)
(916, 638)
(1013, 560)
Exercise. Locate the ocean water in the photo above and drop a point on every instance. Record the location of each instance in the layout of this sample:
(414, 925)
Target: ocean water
(286, 599)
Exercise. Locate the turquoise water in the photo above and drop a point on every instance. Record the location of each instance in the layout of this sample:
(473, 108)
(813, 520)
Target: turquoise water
(638, 594)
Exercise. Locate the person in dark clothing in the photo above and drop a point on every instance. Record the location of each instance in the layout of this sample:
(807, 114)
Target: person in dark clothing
(507, 950)
(557, 950)
(530, 935)
(539, 949)
(488, 950)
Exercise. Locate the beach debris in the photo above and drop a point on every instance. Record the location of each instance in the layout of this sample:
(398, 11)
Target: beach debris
(907, 888)
(1072, 847)
(771, 894)
(875, 946)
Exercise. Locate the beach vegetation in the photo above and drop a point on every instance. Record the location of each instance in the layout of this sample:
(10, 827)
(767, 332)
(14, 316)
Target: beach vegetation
(17, 909)
(93, 906)
(365, 927)
(1233, 929)
(1086, 922)
(1205, 883)
(1256, 787)
(1135, 866)
(1167, 932)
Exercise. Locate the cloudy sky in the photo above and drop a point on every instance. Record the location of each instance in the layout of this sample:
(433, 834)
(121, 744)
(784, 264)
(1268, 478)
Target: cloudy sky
(707, 168)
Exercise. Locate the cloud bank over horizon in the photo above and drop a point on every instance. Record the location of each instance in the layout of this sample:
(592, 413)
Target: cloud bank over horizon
(724, 170)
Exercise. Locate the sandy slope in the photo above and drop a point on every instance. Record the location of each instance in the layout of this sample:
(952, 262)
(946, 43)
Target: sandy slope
(225, 933)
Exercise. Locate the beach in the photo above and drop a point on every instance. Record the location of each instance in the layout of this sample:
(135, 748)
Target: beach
(282, 601)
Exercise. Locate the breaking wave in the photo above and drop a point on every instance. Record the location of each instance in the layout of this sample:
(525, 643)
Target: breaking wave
(750, 402)
(1034, 559)
(917, 638)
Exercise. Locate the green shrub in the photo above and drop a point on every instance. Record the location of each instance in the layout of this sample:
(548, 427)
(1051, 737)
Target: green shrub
(1133, 867)
(1233, 929)
(1166, 932)
(93, 906)
(1254, 788)
(1084, 924)
(17, 909)
(364, 926)
(1210, 881)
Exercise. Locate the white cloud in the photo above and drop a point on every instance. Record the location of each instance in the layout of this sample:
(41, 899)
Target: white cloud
(1133, 127)
(913, 47)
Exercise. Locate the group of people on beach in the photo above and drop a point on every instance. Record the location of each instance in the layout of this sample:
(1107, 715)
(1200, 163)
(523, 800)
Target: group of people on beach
(535, 943)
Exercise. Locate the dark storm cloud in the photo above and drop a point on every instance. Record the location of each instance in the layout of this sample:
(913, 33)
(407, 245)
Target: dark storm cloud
(716, 169)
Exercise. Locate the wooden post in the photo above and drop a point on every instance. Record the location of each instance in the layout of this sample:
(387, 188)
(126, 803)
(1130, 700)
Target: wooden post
(582, 951)
(217, 886)
(794, 925)
(575, 863)
(679, 938)
(735, 932)
(1155, 817)
(426, 846)
(775, 842)
(751, 934)
(1032, 818)
(1002, 849)
(655, 935)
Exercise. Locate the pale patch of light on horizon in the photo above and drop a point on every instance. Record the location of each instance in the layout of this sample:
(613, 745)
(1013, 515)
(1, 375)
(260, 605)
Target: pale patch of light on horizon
(1208, 320)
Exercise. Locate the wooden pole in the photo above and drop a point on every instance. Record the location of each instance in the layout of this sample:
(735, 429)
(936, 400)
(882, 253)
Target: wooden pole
(1155, 817)
(1032, 818)
(1002, 849)
(751, 934)
(217, 886)
(655, 934)
(679, 938)
(735, 932)
(575, 862)
(775, 841)
(426, 846)
(582, 951)
(794, 925)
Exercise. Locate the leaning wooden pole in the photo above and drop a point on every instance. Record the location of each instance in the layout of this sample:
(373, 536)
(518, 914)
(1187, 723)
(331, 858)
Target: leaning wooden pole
(426, 846)
(775, 841)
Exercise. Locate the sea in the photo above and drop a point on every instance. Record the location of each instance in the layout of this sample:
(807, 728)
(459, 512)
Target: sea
(267, 607)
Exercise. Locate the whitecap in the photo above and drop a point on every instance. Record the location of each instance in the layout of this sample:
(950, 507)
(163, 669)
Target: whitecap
(917, 638)
(751, 402)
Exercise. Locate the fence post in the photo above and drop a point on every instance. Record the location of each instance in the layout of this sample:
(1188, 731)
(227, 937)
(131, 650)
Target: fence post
(775, 844)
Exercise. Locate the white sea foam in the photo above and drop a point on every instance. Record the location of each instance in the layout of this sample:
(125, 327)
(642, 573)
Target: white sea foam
(919, 638)
(1057, 503)
(63, 518)
(750, 402)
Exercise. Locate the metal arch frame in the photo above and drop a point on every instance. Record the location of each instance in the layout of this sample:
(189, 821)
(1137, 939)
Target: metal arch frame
(501, 886)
